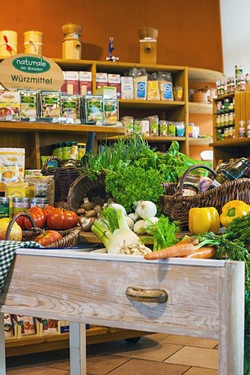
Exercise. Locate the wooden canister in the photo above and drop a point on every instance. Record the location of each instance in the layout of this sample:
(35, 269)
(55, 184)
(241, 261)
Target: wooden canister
(33, 42)
(8, 43)
(71, 45)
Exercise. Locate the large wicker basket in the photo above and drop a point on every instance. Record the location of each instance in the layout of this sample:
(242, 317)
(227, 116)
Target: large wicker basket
(64, 176)
(176, 206)
(84, 187)
(69, 236)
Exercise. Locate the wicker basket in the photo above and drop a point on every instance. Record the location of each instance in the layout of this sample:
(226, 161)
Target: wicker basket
(84, 187)
(64, 176)
(176, 206)
(69, 236)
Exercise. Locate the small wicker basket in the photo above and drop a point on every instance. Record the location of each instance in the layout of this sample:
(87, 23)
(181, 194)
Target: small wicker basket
(64, 176)
(84, 187)
(176, 206)
(69, 236)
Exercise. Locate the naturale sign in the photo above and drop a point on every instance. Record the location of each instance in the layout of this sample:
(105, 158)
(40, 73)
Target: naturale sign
(30, 72)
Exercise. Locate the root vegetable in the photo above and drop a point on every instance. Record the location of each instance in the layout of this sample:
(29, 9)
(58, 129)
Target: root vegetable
(178, 250)
(203, 253)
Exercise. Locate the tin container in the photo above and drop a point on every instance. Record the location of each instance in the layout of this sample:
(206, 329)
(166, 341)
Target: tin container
(39, 202)
(20, 204)
(4, 207)
(33, 42)
(8, 43)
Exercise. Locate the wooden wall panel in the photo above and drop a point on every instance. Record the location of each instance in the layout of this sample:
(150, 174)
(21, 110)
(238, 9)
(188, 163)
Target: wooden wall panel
(189, 30)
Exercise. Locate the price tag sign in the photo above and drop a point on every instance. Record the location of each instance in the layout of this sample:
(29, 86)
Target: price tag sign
(30, 72)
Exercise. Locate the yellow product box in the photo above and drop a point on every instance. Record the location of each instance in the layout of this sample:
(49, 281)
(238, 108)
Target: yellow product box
(12, 164)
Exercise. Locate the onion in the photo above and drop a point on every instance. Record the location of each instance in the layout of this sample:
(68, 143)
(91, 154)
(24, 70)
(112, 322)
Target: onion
(139, 227)
(15, 233)
(146, 209)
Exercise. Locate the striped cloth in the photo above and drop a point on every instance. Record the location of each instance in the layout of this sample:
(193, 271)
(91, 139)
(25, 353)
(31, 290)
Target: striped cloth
(7, 252)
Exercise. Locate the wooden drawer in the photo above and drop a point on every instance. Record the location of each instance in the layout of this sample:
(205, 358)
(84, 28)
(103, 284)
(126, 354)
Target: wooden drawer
(203, 298)
(92, 289)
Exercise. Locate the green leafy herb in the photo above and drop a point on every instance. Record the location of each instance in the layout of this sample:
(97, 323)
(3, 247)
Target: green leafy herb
(164, 233)
(128, 183)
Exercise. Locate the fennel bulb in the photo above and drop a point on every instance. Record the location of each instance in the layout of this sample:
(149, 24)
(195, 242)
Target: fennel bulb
(115, 239)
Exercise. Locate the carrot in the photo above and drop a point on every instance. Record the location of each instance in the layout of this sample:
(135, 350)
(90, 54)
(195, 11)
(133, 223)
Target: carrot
(177, 250)
(187, 239)
(205, 252)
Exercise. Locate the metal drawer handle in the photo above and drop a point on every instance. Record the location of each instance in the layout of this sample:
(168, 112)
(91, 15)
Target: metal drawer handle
(147, 295)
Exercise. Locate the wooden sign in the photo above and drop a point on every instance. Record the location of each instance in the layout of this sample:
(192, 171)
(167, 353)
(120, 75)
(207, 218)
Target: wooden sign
(30, 72)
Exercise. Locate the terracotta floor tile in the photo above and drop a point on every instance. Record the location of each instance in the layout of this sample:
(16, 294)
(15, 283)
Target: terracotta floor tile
(35, 370)
(142, 367)
(155, 337)
(103, 364)
(191, 341)
(147, 349)
(201, 371)
(199, 357)
(61, 365)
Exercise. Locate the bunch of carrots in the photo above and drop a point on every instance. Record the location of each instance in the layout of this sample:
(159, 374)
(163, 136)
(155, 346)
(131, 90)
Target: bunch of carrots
(188, 247)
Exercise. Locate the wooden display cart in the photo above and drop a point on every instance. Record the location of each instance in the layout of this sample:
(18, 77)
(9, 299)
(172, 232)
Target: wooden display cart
(203, 298)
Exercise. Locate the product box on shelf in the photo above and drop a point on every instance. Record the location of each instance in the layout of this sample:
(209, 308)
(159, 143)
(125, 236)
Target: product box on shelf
(101, 80)
(85, 83)
(12, 165)
(111, 111)
(26, 326)
(115, 81)
(9, 106)
(93, 106)
(10, 329)
(71, 82)
(28, 105)
(108, 92)
(70, 108)
(50, 102)
(127, 88)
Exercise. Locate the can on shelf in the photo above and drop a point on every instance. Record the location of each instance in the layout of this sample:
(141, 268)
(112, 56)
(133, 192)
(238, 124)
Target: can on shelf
(4, 207)
(20, 204)
(8, 43)
(33, 42)
(39, 202)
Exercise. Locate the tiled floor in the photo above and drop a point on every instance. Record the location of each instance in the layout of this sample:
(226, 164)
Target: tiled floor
(154, 354)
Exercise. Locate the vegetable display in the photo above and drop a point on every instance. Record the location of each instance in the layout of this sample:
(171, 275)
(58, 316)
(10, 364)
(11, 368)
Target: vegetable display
(112, 229)
(232, 210)
(134, 171)
(60, 219)
(203, 219)
(47, 237)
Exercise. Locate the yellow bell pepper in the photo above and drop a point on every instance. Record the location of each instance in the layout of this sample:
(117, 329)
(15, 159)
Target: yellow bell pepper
(232, 210)
(204, 219)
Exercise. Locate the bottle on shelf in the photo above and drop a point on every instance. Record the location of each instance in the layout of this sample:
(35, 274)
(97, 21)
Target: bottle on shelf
(248, 128)
(242, 132)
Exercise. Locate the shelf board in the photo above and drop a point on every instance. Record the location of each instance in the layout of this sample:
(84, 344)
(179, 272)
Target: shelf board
(232, 142)
(155, 139)
(204, 75)
(206, 141)
(203, 108)
(44, 127)
(140, 103)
